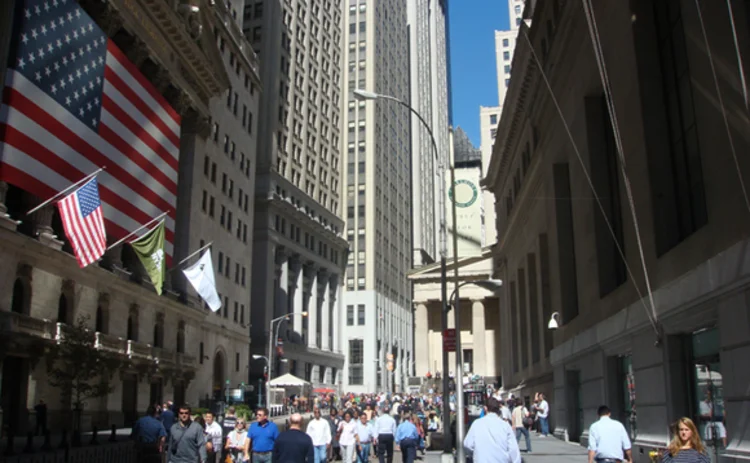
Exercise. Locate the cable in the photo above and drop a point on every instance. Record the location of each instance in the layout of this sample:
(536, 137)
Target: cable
(588, 177)
(739, 55)
(596, 42)
(721, 104)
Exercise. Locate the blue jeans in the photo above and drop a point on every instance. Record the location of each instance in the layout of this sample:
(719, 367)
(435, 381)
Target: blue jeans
(321, 456)
(545, 425)
(363, 455)
(525, 431)
(262, 457)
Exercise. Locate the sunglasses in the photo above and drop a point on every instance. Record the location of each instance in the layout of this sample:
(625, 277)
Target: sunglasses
(184, 413)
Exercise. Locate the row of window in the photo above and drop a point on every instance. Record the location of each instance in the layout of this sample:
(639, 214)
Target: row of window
(295, 234)
(360, 309)
(226, 217)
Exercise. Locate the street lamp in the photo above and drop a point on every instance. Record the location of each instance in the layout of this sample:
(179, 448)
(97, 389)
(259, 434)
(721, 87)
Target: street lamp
(554, 321)
(364, 95)
(492, 286)
(260, 395)
(271, 343)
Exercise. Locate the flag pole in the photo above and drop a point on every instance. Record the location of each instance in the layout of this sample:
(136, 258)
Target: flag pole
(62, 192)
(155, 219)
(177, 265)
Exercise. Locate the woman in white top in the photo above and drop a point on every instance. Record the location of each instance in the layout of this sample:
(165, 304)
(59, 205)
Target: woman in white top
(238, 445)
(347, 440)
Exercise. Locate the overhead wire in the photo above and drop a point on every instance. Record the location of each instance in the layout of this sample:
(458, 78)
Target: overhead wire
(740, 64)
(721, 102)
(606, 83)
(588, 176)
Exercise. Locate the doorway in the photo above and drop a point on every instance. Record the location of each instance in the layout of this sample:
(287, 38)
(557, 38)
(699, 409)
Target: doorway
(13, 399)
(218, 380)
(129, 399)
(575, 412)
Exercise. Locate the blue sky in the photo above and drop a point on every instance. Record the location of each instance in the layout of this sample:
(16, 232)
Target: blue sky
(473, 70)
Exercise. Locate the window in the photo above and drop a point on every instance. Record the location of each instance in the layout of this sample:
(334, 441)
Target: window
(493, 119)
(200, 353)
(506, 56)
(356, 359)
(505, 43)
(349, 315)
(361, 314)
(237, 361)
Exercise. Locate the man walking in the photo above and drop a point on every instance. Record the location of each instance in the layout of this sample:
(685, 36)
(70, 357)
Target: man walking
(320, 432)
(407, 439)
(187, 444)
(294, 446)
(608, 440)
(149, 435)
(214, 435)
(365, 435)
(519, 422)
(490, 438)
(262, 434)
(543, 414)
(385, 430)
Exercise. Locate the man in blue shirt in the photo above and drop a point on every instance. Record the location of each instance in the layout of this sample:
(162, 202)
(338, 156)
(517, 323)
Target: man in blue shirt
(262, 435)
(490, 438)
(407, 438)
(608, 439)
(149, 435)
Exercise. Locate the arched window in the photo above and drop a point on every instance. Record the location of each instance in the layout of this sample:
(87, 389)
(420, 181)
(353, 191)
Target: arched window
(18, 304)
(133, 324)
(101, 326)
(62, 309)
(181, 338)
(159, 331)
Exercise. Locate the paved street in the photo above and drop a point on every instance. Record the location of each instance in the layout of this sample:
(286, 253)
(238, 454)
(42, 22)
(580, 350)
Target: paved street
(544, 450)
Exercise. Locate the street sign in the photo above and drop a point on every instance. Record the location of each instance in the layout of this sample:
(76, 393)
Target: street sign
(449, 340)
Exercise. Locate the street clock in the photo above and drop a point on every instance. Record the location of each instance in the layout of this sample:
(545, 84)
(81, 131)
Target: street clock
(466, 193)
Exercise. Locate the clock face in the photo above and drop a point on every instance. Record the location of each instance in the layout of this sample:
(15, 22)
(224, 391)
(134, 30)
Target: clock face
(466, 193)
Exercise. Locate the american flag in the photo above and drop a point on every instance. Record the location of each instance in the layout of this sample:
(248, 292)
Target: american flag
(81, 214)
(72, 103)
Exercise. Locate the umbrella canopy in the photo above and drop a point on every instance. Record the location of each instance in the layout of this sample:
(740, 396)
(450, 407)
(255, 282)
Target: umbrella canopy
(324, 390)
(288, 380)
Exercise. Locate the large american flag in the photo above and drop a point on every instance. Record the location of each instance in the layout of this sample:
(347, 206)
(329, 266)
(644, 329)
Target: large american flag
(72, 103)
(81, 214)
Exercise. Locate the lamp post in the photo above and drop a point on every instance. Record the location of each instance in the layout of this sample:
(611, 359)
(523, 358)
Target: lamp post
(271, 343)
(260, 395)
(364, 95)
(490, 285)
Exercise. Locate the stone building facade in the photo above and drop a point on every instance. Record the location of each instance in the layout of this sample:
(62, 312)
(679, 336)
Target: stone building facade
(652, 355)
(171, 347)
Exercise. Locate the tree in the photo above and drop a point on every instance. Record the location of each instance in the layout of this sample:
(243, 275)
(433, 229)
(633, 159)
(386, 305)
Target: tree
(78, 369)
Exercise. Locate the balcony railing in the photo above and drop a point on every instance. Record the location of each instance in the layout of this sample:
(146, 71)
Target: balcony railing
(137, 350)
(163, 356)
(13, 322)
(110, 343)
(186, 360)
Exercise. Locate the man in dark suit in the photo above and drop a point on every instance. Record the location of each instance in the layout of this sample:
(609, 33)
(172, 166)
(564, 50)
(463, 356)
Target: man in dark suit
(294, 446)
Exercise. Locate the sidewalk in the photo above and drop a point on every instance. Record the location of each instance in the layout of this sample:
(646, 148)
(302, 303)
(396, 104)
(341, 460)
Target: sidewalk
(544, 450)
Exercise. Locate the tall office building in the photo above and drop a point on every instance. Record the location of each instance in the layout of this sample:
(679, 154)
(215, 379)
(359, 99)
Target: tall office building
(428, 63)
(299, 251)
(377, 302)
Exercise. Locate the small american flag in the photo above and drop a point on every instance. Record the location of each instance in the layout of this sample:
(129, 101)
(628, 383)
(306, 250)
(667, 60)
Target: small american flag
(82, 219)
(73, 102)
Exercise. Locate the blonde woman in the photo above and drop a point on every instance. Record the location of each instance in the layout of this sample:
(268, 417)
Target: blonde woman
(686, 445)
(238, 445)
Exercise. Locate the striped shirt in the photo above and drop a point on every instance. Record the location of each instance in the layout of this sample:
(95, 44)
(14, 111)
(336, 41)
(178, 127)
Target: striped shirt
(686, 456)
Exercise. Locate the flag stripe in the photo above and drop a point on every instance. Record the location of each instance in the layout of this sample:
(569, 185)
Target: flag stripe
(78, 224)
(48, 181)
(70, 230)
(116, 89)
(37, 123)
(132, 75)
(133, 133)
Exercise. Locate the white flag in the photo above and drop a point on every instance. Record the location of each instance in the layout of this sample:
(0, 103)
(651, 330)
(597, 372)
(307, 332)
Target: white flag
(201, 276)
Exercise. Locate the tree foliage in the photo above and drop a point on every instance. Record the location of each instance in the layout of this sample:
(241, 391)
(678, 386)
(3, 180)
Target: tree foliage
(77, 368)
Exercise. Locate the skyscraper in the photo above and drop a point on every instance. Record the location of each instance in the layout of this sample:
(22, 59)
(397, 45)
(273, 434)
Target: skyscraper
(299, 250)
(377, 302)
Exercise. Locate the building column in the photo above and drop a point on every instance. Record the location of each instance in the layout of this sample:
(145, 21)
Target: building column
(282, 288)
(325, 313)
(298, 276)
(478, 331)
(336, 310)
(43, 227)
(421, 332)
(312, 309)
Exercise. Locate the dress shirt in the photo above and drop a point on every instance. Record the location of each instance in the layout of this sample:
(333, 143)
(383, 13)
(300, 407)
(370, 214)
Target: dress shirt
(319, 431)
(385, 424)
(491, 440)
(215, 433)
(406, 430)
(608, 438)
(365, 432)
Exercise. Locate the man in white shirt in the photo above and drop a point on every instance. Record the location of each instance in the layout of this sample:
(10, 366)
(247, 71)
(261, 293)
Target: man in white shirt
(319, 431)
(504, 412)
(214, 434)
(543, 414)
(385, 431)
(491, 440)
(608, 440)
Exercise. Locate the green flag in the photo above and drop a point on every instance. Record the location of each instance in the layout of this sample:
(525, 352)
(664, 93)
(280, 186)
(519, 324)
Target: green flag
(150, 250)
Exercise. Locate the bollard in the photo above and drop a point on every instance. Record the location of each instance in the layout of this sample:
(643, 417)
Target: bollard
(94, 433)
(29, 448)
(10, 440)
(47, 441)
(113, 435)
(64, 439)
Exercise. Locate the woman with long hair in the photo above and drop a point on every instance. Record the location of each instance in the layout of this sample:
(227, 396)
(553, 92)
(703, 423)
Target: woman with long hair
(686, 445)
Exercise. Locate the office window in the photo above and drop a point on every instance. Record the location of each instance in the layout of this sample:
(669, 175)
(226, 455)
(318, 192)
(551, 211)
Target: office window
(349, 315)
(506, 43)
(506, 56)
(236, 311)
(493, 119)
(356, 359)
(237, 361)
(221, 262)
(361, 314)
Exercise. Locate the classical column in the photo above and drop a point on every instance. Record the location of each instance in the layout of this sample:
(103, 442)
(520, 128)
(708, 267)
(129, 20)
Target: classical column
(478, 336)
(312, 308)
(326, 313)
(43, 227)
(336, 309)
(421, 334)
(298, 276)
(282, 289)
